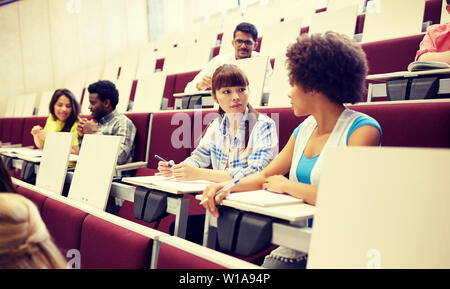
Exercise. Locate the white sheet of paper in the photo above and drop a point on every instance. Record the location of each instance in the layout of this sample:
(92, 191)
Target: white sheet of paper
(263, 198)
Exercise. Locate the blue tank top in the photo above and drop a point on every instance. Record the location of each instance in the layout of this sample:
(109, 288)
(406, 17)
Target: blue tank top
(305, 165)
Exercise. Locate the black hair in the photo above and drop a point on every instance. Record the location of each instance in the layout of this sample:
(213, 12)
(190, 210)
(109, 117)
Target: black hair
(73, 117)
(6, 184)
(105, 90)
(330, 63)
(247, 28)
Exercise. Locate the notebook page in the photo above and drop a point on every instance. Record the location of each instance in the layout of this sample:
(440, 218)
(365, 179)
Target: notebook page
(263, 198)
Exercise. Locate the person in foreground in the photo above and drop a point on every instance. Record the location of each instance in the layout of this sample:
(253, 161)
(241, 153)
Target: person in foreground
(24, 239)
(238, 142)
(325, 71)
(103, 99)
(64, 113)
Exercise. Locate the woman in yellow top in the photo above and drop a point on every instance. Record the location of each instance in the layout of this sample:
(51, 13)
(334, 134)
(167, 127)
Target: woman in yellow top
(64, 110)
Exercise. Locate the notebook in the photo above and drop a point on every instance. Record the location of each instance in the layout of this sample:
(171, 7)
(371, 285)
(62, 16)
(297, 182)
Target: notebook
(426, 65)
(263, 198)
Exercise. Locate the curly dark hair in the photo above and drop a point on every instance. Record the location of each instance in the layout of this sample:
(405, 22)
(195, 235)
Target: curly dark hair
(329, 63)
(105, 90)
(73, 117)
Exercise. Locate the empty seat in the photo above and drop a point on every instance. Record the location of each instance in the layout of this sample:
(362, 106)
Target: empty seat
(105, 245)
(64, 223)
(37, 198)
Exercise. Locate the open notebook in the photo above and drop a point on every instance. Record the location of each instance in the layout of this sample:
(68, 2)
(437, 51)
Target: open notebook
(171, 183)
(427, 65)
(263, 198)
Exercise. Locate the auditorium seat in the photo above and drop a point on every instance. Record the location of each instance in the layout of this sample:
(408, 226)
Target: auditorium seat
(391, 55)
(6, 129)
(64, 223)
(169, 89)
(108, 246)
(37, 198)
(29, 123)
(171, 257)
(126, 211)
(167, 138)
(141, 122)
(17, 130)
(412, 124)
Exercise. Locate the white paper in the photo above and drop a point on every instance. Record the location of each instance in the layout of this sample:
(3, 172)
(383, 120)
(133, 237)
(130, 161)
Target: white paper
(263, 198)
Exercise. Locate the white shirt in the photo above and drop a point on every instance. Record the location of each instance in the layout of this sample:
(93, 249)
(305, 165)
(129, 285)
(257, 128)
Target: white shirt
(219, 60)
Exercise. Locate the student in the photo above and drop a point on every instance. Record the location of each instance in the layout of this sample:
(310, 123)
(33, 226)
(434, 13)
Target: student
(435, 45)
(245, 41)
(24, 239)
(64, 111)
(325, 71)
(239, 142)
(103, 98)
(6, 184)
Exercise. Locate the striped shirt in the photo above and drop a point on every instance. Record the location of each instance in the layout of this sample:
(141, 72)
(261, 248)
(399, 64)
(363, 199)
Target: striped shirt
(223, 153)
(118, 124)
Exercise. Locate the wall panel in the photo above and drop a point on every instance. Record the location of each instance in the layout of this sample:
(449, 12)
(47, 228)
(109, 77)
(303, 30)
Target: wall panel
(11, 68)
(64, 40)
(115, 26)
(36, 48)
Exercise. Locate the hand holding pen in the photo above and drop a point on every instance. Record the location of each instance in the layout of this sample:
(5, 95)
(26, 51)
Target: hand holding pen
(165, 167)
(215, 193)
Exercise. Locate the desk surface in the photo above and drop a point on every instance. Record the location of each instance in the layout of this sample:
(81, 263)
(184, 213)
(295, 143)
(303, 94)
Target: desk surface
(169, 186)
(292, 213)
(181, 94)
(406, 74)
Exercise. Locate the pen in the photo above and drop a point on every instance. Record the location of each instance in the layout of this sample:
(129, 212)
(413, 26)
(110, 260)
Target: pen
(225, 188)
(163, 160)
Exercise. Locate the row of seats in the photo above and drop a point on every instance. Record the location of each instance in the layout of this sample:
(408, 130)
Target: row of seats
(383, 57)
(127, 70)
(175, 134)
(402, 123)
(105, 241)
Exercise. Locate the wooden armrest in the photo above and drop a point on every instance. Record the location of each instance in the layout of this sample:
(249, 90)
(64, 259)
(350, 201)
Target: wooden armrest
(131, 166)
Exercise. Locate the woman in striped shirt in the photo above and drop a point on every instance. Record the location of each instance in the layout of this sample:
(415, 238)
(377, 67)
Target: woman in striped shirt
(237, 143)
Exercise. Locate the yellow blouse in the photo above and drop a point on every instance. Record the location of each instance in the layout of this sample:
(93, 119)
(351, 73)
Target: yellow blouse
(56, 126)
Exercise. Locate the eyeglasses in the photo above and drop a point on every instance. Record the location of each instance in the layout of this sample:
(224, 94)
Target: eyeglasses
(246, 42)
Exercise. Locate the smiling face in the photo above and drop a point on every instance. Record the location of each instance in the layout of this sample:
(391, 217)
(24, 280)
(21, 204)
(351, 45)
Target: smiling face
(243, 44)
(232, 99)
(63, 108)
(98, 107)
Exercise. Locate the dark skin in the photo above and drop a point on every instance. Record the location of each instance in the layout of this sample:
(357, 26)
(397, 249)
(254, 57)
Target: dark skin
(98, 110)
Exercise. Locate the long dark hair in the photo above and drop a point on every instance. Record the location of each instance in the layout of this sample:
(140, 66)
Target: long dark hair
(6, 184)
(229, 75)
(73, 117)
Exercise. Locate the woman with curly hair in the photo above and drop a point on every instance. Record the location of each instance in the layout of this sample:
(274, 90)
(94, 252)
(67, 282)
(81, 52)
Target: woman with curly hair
(325, 71)
(24, 239)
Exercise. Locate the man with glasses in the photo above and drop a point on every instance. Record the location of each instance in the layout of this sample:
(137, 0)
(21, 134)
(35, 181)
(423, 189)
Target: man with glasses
(245, 41)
